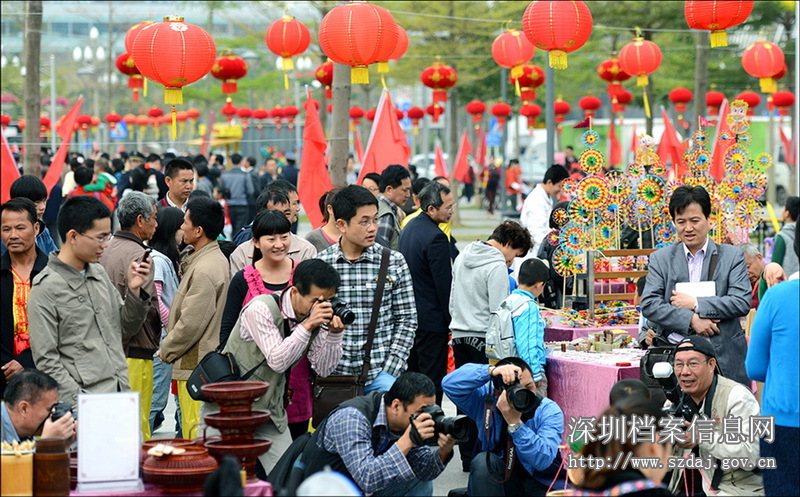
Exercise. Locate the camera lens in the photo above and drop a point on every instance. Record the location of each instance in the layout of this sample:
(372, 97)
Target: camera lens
(340, 309)
(520, 398)
(457, 426)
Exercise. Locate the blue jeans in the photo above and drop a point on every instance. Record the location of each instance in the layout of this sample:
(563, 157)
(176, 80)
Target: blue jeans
(162, 380)
(381, 383)
(410, 488)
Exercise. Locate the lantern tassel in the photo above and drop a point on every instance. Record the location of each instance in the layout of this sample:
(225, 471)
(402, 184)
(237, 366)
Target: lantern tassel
(646, 105)
(383, 67)
(641, 80)
(287, 64)
(416, 130)
(719, 39)
(517, 72)
(359, 75)
(558, 59)
(174, 124)
(383, 82)
(285, 80)
(768, 85)
(144, 85)
(136, 94)
(229, 86)
(516, 87)
(173, 95)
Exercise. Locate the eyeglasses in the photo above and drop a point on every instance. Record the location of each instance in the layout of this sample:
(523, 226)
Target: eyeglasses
(368, 222)
(692, 365)
(99, 241)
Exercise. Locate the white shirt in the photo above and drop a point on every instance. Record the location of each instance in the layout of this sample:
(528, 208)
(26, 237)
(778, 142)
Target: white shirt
(536, 216)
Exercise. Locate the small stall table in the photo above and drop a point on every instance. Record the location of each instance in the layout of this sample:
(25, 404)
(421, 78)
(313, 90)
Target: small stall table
(252, 489)
(558, 333)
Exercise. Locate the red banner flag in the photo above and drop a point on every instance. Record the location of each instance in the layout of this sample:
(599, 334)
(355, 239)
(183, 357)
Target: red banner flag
(359, 150)
(480, 148)
(65, 132)
(634, 142)
(670, 148)
(387, 141)
(614, 148)
(313, 180)
(586, 123)
(789, 148)
(439, 165)
(720, 146)
(705, 123)
(461, 166)
(8, 167)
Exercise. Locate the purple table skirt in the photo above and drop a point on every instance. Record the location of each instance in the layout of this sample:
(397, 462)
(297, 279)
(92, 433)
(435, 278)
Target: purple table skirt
(567, 334)
(255, 489)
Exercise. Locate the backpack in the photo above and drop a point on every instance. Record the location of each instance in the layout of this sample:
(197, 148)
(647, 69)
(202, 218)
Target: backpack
(500, 334)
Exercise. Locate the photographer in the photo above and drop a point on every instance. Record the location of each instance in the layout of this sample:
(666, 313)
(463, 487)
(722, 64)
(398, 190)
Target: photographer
(379, 440)
(29, 400)
(707, 392)
(535, 433)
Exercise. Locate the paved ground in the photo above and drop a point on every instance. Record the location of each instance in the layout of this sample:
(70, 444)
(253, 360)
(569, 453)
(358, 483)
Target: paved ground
(474, 224)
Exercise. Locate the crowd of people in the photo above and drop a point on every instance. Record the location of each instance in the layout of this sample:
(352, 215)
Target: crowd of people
(132, 269)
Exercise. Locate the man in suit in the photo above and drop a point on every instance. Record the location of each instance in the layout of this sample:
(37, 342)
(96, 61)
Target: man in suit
(696, 258)
(427, 252)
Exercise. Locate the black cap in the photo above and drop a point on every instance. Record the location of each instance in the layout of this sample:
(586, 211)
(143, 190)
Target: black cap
(697, 343)
(136, 156)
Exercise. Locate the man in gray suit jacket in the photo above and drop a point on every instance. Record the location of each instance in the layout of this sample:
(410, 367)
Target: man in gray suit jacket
(697, 258)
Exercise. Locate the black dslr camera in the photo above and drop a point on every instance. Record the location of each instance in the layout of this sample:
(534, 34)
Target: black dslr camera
(60, 409)
(340, 309)
(520, 398)
(457, 426)
(682, 405)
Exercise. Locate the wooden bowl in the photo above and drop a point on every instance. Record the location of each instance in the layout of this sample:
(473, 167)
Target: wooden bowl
(180, 473)
(234, 393)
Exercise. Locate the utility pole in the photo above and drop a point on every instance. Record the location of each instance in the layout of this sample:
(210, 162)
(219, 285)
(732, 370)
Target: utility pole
(700, 76)
(32, 96)
(339, 139)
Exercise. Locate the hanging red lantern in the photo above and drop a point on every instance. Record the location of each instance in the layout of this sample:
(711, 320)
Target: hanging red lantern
(329, 107)
(752, 99)
(763, 60)
(501, 111)
(640, 58)
(557, 26)
(173, 53)
(358, 34)
(129, 119)
(286, 38)
(561, 109)
(324, 74)
(620, 100)
(244, 114)
(530, 77)
(716, 16)
(126, 66)
(277, 116)
(259, 115)
(783, 100)
(680, 97)
(415, 114)
(21, 124)
(398, 114)
(435, 110)
(439, 77)
(44, 125)
(84, 121)
(290, 112)
(610, 71)
(130, 35)
(531, 112)
(476, 108)
(228, 110)
(183, 116)
(781, 73)
(5, 120)
(714, 101)
(229, 68)
(402, 43)
(193, 113)
(155, 112)
(511, 50)
(589, 105)
(371, 114)
(356, 113)
(112, 118)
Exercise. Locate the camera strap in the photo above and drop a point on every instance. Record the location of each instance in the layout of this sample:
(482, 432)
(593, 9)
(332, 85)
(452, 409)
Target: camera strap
(373, 320)
(707, 403)
(511, 451)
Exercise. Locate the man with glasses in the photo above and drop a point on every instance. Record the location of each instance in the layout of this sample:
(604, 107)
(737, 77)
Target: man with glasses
(77, 316)
(727, 403)
(427, 252)
(357, 259)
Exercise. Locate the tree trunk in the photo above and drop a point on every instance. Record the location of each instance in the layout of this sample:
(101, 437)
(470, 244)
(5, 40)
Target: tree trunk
(648, 90)
(700, 77)
(33, 99)
(339, 128)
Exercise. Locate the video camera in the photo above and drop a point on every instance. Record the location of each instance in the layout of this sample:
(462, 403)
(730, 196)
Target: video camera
(519, 397)
(682, 405)
(457, 426)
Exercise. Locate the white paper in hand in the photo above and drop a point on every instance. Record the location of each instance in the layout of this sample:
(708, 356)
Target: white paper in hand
(697, 289)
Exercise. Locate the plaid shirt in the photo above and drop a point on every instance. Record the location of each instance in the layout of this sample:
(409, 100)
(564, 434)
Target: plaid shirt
(349, 434)
(397, 317)
(388, 223)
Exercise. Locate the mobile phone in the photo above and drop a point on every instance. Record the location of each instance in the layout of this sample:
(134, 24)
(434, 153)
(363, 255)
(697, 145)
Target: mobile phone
(147, 253)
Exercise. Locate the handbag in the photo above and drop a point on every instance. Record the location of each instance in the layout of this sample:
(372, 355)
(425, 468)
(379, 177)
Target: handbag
(334, 389)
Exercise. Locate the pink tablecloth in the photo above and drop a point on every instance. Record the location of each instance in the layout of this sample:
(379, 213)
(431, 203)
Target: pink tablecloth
(256, 489)
(581, 389)
(567, 334)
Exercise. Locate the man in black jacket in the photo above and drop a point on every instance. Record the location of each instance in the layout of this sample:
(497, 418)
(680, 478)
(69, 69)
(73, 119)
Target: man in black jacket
(427, 252)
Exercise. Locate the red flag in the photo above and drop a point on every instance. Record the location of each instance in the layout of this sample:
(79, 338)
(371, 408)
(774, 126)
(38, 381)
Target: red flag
(461, 166)
(705, 123)
(480, 148)
(586, 123)
(387, 141)
(720, 147)
(205, 141)
(65, 132)
(8, 166)
(614, 148)
(634, 140)
(670, 148)
(789, 152)
(359, 150)
(439, 165)
(313, 180)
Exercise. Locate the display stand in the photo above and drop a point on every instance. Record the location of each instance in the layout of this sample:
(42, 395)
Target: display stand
(592, 275)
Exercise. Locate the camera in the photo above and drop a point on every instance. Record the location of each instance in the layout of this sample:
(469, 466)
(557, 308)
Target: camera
(457, 426)
(340, 309)
(60, 409)
(681, 405)
(519, 397)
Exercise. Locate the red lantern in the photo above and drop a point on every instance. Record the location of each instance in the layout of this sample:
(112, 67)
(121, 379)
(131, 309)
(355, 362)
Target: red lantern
(752, 99)
(44, 125)
(371, 114)
(435, 110)
(228, 110)
(358, 34)
(558, 27)
(781, 73)
(476, 108)
(129, 119)
(530, 77)
(277, 116)
(286, 38)
(112, 119)
(324, 74)
(415, 114)
(5, 120)
(290, 112)
(714, 101)
(329, 107)
(398, 114)
(174, 54)
(561, 109)
(126, 66)
(259, 115)
(155, 112)
(244, 114)
(716, 16)
(21, 124)
(229, 68)
(193, 113)
(84, 121)
(531, 111)
(130, 35)
(680, 97)
(589, 105)
(439, 77)
(402, 43)
(511, 50)
(501, 111)
(620, 100)
(610, 71)
(763, 60)
(783, 100)
(356, 113)
(640, 58)
(182, 116)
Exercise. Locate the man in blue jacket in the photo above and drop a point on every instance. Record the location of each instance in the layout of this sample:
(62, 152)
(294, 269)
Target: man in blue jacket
(534, 434)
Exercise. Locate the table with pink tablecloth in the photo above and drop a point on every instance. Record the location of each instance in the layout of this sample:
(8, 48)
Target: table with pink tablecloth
(580, 388)
(255, 489)
(568, 333)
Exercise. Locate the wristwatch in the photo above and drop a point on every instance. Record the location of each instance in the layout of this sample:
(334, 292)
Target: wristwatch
(516, 426)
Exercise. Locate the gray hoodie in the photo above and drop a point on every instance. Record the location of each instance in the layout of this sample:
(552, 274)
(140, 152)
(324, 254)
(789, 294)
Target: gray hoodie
(480, 283)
